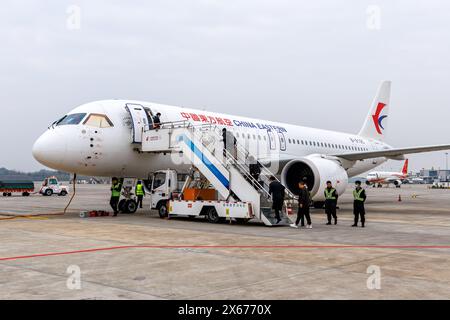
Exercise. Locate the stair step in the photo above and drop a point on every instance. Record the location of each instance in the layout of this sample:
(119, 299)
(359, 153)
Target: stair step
(270, 216)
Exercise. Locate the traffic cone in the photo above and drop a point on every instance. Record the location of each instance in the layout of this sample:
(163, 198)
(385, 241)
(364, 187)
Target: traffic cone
(399, 198)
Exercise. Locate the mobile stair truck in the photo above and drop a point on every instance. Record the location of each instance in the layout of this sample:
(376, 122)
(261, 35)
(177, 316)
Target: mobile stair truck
(226, 191)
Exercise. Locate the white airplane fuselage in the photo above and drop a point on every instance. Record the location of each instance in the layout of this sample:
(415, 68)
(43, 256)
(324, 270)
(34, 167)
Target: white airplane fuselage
(108, 151)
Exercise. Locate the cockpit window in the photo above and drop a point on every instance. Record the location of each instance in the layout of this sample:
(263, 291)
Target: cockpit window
(98, 121)
(71, 119)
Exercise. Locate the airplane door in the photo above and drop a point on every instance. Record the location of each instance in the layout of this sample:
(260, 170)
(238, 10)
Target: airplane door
(272, 141)
(282, 139)
(140, 120)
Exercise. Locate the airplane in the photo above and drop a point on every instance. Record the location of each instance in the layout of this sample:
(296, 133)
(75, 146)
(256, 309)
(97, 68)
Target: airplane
(378, 178)
(102, 139)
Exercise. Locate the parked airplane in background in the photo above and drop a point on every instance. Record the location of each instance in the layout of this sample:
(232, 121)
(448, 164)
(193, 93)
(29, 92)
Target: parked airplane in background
(378, 178)
(104, 138)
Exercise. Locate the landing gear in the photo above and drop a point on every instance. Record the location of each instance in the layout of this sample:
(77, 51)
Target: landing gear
(127, 206)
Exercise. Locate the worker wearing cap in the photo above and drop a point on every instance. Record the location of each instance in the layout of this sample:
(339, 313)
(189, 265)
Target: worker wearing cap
(359, 197)
(331, 197)
(116, 187)
(140, 193)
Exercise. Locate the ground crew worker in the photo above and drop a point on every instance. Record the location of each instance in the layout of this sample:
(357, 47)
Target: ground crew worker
(359, 197)
(116, 187)
(140, 193)
(303, 207)
(331, 197)
(276, 190)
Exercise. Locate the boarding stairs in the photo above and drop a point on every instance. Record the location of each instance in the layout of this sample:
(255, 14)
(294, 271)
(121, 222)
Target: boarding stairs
(227, 170)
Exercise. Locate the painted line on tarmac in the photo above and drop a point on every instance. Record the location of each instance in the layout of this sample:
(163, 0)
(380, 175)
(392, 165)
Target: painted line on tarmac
(49, 254)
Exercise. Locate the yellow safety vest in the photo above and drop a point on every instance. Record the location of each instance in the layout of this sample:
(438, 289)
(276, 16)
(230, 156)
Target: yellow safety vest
(329, 194)
(357, 194)
(115, 190)
(139, 190)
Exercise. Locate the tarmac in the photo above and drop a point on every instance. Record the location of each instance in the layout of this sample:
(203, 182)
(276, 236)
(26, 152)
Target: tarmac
(403, 253)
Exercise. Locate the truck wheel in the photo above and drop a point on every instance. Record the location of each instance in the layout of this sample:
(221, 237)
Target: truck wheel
(25, 194)
(212, 216)
(9, 194)
(63, 193)
(131, 206)
(122, 206)
(48, 192)
(5, 194)
(162, 210)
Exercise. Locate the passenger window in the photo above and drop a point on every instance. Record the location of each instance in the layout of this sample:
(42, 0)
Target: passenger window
(53, 181)
(71, 119)
(98, 121)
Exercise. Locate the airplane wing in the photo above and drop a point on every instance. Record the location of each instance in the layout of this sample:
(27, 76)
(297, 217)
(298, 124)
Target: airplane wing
(391, 153)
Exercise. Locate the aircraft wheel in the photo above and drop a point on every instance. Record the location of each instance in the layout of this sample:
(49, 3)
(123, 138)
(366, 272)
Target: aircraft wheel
(121, 206)
(212, 216)
(131, 206)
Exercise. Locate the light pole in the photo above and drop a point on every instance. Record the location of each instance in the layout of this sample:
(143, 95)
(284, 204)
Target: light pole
(446, 167)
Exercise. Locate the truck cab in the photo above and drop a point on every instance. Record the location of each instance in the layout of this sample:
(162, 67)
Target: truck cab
(165, 185)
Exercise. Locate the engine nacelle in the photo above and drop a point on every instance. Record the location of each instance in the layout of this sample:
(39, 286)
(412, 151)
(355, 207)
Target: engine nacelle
(317, 171)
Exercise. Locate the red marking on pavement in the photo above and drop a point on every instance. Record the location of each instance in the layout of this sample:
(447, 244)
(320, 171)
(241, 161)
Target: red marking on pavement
(228, 247)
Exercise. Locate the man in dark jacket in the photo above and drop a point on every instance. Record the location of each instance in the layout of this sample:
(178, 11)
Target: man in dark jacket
(229, 143)
(331, 197)
(276, 190)
(359, 197)
(303, 206)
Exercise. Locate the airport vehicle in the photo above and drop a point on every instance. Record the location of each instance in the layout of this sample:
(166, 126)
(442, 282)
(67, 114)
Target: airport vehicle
(192, 195)
(117, 138)
(8, 187)
(378, 178)
(51, 186)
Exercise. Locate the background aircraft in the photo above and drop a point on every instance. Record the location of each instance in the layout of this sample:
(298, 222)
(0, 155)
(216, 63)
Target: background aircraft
(378, 178)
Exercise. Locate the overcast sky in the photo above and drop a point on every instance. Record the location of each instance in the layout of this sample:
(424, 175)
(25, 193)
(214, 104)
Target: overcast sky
(313, 63)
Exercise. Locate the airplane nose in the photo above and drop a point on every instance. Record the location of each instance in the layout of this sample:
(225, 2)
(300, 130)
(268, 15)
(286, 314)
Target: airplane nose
(50, 149)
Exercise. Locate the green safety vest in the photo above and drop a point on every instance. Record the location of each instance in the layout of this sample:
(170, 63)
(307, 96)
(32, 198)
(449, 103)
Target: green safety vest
(357, 194)
(115, 190)
(139, 190)
(329, 194)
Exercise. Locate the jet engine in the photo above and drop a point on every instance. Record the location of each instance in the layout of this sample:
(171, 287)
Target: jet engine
(316, 170)
(397, 183)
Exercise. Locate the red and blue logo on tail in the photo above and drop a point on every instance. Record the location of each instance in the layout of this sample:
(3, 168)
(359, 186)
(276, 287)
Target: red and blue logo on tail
(377, 118)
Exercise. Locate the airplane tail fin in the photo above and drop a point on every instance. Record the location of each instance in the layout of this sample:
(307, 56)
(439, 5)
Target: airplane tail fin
(405, 167)
(376, 122)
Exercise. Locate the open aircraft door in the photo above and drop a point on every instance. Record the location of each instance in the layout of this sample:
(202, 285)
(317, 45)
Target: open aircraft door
(140, 118)
(282, 140)
(272, 141)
